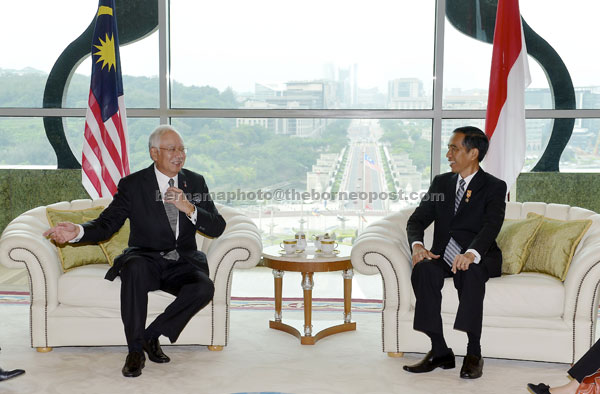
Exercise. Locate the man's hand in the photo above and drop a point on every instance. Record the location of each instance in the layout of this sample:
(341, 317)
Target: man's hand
(420, 253)
(462, 262)
(63, 232)
(176, 197)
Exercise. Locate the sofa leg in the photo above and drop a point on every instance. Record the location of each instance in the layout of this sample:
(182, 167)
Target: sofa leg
(396, 354)
(43, 349)
(215, 348)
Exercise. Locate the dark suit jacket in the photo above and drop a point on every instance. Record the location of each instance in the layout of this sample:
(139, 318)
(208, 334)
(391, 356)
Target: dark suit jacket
(138, 199)
(476, 223)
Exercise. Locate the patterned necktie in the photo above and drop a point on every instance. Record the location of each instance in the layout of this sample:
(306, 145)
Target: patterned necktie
(172, 214)
(453, 248)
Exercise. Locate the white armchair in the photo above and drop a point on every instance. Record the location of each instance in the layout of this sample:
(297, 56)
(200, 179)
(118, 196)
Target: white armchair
(527, 316)
(81, 308)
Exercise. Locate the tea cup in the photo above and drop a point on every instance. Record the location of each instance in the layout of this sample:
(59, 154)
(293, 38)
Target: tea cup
(328, 246)
(318, 238)
(289, 245)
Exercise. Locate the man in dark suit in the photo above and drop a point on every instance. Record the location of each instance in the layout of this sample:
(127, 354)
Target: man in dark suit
(467, 223)
(165, 205)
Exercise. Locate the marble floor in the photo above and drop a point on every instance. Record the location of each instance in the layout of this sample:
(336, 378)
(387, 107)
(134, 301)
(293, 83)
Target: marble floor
(257, 359)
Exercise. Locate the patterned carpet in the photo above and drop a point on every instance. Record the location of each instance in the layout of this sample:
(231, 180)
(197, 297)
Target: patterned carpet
(14, 297)
(251, 303)
(293, 304)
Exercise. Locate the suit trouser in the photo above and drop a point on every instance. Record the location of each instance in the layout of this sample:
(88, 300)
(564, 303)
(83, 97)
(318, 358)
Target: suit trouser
(588, 364)
(192, 287)
(428, 279)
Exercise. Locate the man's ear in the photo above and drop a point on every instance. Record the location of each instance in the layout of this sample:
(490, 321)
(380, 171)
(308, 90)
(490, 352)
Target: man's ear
(473, 154)
(154, 153)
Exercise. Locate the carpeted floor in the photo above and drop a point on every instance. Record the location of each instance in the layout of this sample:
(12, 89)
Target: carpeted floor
(257, 360)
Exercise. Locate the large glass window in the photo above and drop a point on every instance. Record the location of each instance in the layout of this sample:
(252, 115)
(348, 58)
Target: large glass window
(23, 142)
(314, 174)
(582, 153)
(34, 34)
(296, 55)
(568, 30)
(337, 68)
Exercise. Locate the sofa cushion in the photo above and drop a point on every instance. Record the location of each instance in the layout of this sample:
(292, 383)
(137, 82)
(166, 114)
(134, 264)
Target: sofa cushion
(514, 240)
(554, 245)
(513, 296)
(76, 255)
(86, 287)
(115, 245)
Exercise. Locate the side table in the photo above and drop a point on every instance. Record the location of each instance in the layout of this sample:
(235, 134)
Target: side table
(308, 263)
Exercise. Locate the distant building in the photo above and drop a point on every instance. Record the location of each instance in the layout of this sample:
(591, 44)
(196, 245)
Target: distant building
(291, 95)
(404, 174)
(321, 177)
(465, 99)
(370, 98)
(407, 93)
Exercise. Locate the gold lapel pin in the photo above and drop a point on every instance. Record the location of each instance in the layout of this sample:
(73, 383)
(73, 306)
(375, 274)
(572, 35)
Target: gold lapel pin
(468, 195)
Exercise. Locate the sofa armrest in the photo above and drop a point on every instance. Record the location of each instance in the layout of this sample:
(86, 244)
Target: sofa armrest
(239, 247)
(581, 284)
(22, 244)
(383, 248)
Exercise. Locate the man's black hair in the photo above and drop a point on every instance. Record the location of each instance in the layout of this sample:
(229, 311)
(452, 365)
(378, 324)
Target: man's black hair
(474, 138)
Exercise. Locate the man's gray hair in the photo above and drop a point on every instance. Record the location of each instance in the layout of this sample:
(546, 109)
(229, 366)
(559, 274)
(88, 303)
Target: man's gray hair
(154, 140)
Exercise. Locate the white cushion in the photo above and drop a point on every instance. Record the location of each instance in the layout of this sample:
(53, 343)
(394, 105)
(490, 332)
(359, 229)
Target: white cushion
(86, 287)
(514, 296)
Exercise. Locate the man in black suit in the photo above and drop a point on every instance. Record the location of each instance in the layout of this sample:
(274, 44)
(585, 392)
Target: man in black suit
(467, 223)
(165, 205)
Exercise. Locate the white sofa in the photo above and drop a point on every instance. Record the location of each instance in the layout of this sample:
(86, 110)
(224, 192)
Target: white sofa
(527, 316)
(80, 308)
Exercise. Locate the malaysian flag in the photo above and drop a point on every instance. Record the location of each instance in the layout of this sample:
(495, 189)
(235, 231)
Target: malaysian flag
(104, 157)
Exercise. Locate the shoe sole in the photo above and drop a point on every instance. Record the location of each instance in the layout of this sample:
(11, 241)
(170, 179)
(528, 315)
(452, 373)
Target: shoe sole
(443, 366)
(471, 377)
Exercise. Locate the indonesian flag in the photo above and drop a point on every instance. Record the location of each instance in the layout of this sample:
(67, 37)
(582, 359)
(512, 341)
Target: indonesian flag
(509, 76)
(104, 158)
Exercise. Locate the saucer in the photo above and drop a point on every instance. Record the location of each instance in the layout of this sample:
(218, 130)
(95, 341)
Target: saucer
(319, 252)
(284, 254)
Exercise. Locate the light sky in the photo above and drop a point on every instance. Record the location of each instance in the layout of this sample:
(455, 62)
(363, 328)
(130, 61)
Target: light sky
(239, 42)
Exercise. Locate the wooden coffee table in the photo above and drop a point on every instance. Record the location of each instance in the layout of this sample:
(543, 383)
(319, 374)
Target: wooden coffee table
(308, 263)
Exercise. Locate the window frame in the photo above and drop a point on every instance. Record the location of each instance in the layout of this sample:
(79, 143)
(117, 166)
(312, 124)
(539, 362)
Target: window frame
(437, 114)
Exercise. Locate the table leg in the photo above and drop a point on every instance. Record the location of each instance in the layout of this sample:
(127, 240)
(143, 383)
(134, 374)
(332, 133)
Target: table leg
(307, 286)
(278, 275)
(347, 274)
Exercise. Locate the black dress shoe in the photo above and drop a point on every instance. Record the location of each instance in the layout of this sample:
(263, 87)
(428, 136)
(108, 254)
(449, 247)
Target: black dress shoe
(5, 375)
(538, 388)
(155, 353)
(472, 367)
(133, 364)
(429, 363)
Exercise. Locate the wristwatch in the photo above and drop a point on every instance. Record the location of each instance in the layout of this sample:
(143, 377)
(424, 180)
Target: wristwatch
(189, 215)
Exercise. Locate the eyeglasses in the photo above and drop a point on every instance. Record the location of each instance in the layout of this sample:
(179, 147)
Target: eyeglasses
(173, 150)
